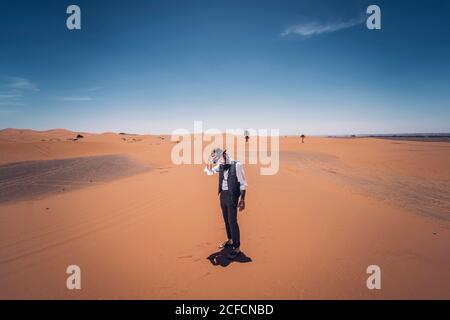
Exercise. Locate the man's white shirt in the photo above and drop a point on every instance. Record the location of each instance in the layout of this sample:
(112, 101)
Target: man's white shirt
(240, 174)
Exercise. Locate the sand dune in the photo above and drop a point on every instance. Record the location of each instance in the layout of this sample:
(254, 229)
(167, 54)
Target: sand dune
(27, 135)
(420, 188)
(335, 207)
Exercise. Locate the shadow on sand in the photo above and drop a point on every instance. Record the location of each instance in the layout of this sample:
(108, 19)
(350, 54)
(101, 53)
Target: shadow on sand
(220, 258)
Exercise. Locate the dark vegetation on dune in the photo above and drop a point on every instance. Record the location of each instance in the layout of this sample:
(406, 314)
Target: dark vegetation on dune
(34, 179)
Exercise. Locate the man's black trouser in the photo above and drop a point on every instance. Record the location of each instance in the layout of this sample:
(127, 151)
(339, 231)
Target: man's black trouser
(229, 204)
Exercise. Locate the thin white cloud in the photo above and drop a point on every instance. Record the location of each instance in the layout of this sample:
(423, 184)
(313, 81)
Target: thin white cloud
(93, 89)
(22, 84)
(82, 98)
(4, 95)
(13, 91)
(12, 104)
(6, 112)
(311, 29)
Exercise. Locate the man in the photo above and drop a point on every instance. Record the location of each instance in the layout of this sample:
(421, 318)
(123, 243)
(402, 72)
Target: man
(247, 135)
(232, 189)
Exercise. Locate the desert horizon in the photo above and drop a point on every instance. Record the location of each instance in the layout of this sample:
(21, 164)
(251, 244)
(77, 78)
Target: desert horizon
(413, 134)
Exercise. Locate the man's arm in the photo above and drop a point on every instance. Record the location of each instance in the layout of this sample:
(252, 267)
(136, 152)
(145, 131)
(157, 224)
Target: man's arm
(243, 182)
(210, 170)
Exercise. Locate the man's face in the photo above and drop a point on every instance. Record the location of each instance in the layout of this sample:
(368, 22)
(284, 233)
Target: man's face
(224, 159)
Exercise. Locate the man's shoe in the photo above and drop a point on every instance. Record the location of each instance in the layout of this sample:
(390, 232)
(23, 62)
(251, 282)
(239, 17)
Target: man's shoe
(233, 254)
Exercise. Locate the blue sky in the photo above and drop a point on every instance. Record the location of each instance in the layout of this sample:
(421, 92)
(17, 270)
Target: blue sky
(155, 66)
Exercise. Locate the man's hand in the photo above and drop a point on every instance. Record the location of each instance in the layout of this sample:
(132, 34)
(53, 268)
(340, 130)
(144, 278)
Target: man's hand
(241, 205)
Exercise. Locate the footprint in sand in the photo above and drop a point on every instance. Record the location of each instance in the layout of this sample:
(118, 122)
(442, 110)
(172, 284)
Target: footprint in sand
(184, 257)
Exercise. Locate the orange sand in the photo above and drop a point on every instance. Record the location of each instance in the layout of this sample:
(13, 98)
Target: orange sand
(335, 207)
